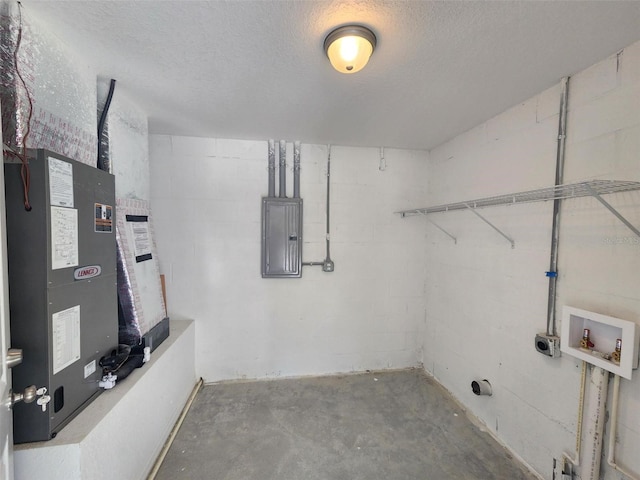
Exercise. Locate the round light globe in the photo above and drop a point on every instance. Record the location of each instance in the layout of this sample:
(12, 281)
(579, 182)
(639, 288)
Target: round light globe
(349, 48)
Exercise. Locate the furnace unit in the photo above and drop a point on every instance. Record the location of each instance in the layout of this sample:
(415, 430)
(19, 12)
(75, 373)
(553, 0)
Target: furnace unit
(62, 287)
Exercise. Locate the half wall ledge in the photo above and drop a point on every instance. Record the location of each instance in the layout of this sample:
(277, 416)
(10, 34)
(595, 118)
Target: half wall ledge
(121, 433)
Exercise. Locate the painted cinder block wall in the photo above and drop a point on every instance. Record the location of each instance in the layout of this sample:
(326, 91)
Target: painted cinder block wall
(486, 301)
(368, 314)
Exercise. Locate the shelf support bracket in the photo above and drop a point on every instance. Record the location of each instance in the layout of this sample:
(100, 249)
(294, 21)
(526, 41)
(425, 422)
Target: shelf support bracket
(455, 240)
(509, 239)
(609, 207)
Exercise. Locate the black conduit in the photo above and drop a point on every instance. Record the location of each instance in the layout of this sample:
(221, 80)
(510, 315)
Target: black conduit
(103, 119)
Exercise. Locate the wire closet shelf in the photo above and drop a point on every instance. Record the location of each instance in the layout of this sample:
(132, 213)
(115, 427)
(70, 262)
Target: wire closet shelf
(593, 188)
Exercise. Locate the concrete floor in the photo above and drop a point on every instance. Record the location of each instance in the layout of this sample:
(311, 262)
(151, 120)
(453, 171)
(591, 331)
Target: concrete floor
(392, 425)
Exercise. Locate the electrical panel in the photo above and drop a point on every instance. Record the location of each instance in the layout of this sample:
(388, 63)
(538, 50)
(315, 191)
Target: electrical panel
(281, 237)
(62, 287)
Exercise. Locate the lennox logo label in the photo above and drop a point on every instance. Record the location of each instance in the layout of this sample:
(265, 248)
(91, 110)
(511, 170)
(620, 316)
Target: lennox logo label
(84, 273)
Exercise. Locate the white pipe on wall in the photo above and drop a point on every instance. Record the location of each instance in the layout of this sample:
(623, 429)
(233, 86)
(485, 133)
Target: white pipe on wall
(598, 387)
(583, 382)
(613, 430)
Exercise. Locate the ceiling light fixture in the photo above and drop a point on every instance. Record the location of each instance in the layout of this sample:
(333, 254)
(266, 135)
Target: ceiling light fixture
(350, 47)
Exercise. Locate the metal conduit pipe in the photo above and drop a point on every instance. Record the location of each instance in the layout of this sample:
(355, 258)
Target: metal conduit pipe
(272, 169)
(296, 170)
(283, 169)
(327, 264)
(555, 230)
(613, 431)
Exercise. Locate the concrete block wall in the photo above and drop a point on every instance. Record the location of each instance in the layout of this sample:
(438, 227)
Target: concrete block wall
(368, 314)
(486, 301)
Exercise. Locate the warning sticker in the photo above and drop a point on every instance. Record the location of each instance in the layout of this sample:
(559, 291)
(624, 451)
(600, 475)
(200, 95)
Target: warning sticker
(142, 241)
(139, 231)
(60, 183)
(104, 218)
(66, 338)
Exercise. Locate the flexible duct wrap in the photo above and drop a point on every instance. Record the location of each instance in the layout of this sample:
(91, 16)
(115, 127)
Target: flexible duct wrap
(63, 94)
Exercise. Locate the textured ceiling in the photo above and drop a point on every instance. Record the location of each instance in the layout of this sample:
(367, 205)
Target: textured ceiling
(257, 70)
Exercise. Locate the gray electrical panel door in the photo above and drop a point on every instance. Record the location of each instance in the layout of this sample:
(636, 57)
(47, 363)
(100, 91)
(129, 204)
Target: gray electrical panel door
(281, 237)
(62, 287)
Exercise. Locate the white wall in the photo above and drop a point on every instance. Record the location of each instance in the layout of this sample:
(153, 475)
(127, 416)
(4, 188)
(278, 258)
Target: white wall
(486, 301)
(368, 314)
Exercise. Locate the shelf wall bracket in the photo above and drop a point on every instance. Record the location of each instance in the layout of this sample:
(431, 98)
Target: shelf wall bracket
(455, 240)
(609, 207)
(509, 239)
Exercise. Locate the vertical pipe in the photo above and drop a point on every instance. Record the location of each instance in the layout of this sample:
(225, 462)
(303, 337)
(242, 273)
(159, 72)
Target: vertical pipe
(272, 168)
(595, 423)
(296, 170)
(328, 197)
(611, 458)
(583, 384)
(282, 169)
(613, 430)
(328, 264)
(555, 230)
